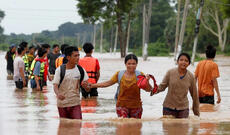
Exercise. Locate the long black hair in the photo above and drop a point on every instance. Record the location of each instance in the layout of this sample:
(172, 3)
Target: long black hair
(186, 55)
(131, 56)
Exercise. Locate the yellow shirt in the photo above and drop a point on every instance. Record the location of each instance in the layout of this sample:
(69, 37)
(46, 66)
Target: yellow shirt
(129, 95)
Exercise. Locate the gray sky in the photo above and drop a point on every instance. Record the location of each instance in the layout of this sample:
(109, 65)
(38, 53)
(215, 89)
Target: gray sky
(30, 16)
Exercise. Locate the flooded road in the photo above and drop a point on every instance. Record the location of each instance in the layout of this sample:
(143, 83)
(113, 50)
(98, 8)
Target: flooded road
(35, 113)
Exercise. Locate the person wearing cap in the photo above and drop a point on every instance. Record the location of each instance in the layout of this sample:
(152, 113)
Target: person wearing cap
(10, 55)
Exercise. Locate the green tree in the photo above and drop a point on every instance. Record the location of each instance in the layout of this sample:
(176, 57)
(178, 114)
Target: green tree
(226, 8)
(212, 16)
(100, 10)
(162, 18)
(2, 37)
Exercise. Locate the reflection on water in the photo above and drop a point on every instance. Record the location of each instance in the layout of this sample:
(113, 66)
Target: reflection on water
(35, 112)
(128, 128)
(69, 127)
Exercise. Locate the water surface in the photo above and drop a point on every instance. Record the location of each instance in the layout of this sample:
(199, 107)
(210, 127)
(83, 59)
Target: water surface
(35, 113)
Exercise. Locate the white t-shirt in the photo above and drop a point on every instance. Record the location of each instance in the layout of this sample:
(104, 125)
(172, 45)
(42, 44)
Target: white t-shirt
(18, 63)
(68, 86)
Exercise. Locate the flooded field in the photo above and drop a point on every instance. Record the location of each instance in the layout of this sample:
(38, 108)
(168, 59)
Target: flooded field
(35, 113)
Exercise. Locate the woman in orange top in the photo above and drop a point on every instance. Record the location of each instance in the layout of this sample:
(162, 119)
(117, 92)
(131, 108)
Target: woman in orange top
(207, 73)
(129, 103)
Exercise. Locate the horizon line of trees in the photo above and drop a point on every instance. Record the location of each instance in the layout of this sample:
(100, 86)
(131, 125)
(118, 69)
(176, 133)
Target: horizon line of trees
(101, 27)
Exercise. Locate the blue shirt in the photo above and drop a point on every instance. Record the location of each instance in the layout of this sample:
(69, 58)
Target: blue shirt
(37, 68)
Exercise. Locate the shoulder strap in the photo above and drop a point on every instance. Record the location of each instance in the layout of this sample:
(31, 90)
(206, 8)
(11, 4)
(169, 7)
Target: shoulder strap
(62, 74)
(120, 74)
(137, 73)
(81, 72)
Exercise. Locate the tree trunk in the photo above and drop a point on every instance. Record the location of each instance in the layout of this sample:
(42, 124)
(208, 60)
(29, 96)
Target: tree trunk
(115, 42)
(127, 41)
(146, 22)
(179, 48)
(177, 29)
(101, 41)
(221, 32)
(111, 41)
(143, 32)
(226, 22)
(94, 35)
(120, 35)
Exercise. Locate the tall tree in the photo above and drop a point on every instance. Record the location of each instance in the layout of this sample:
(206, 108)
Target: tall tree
(2, 14)
(92, 11)
(212, 15)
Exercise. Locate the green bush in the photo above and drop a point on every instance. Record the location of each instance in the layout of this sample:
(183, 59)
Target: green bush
(154, 49)
(4, 47)
(158, 49)
(227, 50)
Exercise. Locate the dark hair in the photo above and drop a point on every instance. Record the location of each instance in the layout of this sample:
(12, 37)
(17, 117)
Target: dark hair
(20, 49)
(46, 46)
(186, 55)
(131, 56)
(210, 51)
(88, 47)
(63, 48)
(69, 50)
(41, 52)
(23, 44)
(55, 45)
(31, 47)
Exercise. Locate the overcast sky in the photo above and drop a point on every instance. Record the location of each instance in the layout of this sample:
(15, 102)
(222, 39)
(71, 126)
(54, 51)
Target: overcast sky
(31, 16)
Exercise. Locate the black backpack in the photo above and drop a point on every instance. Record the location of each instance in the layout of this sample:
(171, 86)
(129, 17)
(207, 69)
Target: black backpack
(62, 74)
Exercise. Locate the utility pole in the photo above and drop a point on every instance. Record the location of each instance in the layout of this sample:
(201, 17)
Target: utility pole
(198, 17)
(179, 48)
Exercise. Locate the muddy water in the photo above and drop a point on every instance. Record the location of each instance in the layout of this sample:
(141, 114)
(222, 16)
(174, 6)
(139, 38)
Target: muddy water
(28, 112)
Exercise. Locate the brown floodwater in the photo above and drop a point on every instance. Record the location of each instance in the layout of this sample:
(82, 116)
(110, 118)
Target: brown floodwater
(35, 113)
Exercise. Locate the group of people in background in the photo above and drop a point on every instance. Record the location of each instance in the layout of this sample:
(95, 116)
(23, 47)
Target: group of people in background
(73, 74)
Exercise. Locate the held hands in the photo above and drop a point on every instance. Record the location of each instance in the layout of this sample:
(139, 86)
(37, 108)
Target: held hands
(50, 78)
(24, 82)
(86, 85)
(38, 87)
(147, 77)
(60, 96)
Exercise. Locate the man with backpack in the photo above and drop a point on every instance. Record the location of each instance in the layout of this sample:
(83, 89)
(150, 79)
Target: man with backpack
(67, 80)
